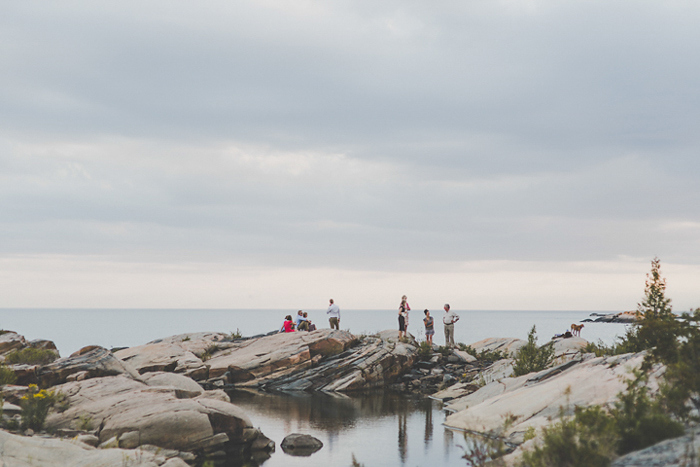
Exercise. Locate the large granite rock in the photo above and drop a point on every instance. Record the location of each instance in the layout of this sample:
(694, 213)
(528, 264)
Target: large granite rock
(130, 413)
(509, 345)
(535, 399)
(252, 362)
(10, 340)
(164, 356)
(23, 451)
(378, 361)
(672, 452)
(318, 360)
(89, 362)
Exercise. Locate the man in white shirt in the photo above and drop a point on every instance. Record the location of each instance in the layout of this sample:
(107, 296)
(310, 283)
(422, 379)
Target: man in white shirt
(333, 315)
(449, 319)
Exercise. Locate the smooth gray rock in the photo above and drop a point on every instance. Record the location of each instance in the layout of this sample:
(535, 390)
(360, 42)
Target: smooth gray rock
(164, 357)
(509, 345)
(10, 340)
(672, 452)
(373, 364)
(89, 362)
(137, 414)
(22, 451)
(298, 444)
(534, 400)
(183, 386)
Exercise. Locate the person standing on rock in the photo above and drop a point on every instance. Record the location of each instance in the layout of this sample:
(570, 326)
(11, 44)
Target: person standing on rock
(449, 319)
(404, 308)
(429, 327)
(333, 315)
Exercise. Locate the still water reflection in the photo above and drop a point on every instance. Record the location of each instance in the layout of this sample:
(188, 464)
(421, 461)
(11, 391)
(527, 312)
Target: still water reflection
(379, 429)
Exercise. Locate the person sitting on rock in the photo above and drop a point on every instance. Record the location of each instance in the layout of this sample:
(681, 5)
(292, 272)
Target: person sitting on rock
(299, 319)
(288, 325)
(304, 323)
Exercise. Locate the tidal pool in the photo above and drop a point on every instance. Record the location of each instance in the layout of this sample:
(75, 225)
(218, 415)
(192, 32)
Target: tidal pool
(378, 429)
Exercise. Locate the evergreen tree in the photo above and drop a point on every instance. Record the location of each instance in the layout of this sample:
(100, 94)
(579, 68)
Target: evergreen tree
(657, 329)
(655, 303)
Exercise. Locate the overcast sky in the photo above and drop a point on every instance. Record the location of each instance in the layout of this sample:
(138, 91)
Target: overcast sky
(272, 154)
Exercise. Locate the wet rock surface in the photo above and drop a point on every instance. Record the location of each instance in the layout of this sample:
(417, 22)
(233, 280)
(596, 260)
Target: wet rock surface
(298, 444)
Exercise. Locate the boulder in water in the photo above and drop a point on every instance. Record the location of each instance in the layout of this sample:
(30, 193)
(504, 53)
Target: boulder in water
(298, 444)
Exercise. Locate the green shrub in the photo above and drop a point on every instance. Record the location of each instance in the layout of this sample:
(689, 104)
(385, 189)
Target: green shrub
(35, 406)
(85, 422)
(593, 437)
(683, 373)
(444, 351)
(641, 420)
(588, 439)
(658, 329)
(600, 349)
(7, 376)
(484, 355)
(531, 358)
(425, 351)
(31, 356)
(236, 335)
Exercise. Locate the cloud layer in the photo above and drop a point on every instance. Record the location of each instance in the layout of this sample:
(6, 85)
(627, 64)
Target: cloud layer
(350, 136)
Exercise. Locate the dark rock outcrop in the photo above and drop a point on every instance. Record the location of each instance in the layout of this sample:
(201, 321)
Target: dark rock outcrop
(298, 444)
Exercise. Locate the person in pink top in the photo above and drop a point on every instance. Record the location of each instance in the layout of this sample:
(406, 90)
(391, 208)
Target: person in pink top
(288, 325)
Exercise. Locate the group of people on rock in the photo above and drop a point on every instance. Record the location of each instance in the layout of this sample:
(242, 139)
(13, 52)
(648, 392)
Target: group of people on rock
(448, 319)
(303, 323)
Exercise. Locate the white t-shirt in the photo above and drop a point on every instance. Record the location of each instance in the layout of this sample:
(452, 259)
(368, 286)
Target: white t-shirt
(450, 317)
(333, 311)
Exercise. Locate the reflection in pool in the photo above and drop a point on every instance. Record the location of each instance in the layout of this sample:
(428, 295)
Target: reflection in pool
(378, 429)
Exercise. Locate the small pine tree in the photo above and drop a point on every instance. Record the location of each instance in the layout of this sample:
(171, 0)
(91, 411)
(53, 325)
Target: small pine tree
(657, 329)
(531, 358)
(655, 303)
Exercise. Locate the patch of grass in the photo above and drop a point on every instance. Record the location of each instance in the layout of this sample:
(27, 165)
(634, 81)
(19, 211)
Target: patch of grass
(7, 376)
(211, 350)
(185, 339)
(530, 358)
(61, 403)
(602, 350)
(31, 356)
(484, 355)
(85, 422)
(425, 351)
(236, 335)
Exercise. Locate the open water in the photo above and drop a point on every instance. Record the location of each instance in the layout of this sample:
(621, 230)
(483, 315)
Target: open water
(72, 329)
(378, 429)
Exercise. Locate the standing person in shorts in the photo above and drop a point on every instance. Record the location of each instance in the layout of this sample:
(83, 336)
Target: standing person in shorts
(429, 327)
(449, 319)
(333, 313)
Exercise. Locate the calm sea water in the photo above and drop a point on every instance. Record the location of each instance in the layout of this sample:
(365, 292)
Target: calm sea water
(378, 429)
(72, 329)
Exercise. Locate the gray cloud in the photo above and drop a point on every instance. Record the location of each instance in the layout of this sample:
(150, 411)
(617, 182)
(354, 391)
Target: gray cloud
(351, 133)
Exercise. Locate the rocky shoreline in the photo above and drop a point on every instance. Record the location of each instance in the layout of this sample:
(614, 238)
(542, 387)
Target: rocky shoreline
(166, 403)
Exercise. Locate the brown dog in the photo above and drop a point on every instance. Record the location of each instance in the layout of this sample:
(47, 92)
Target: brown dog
(576, 329)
